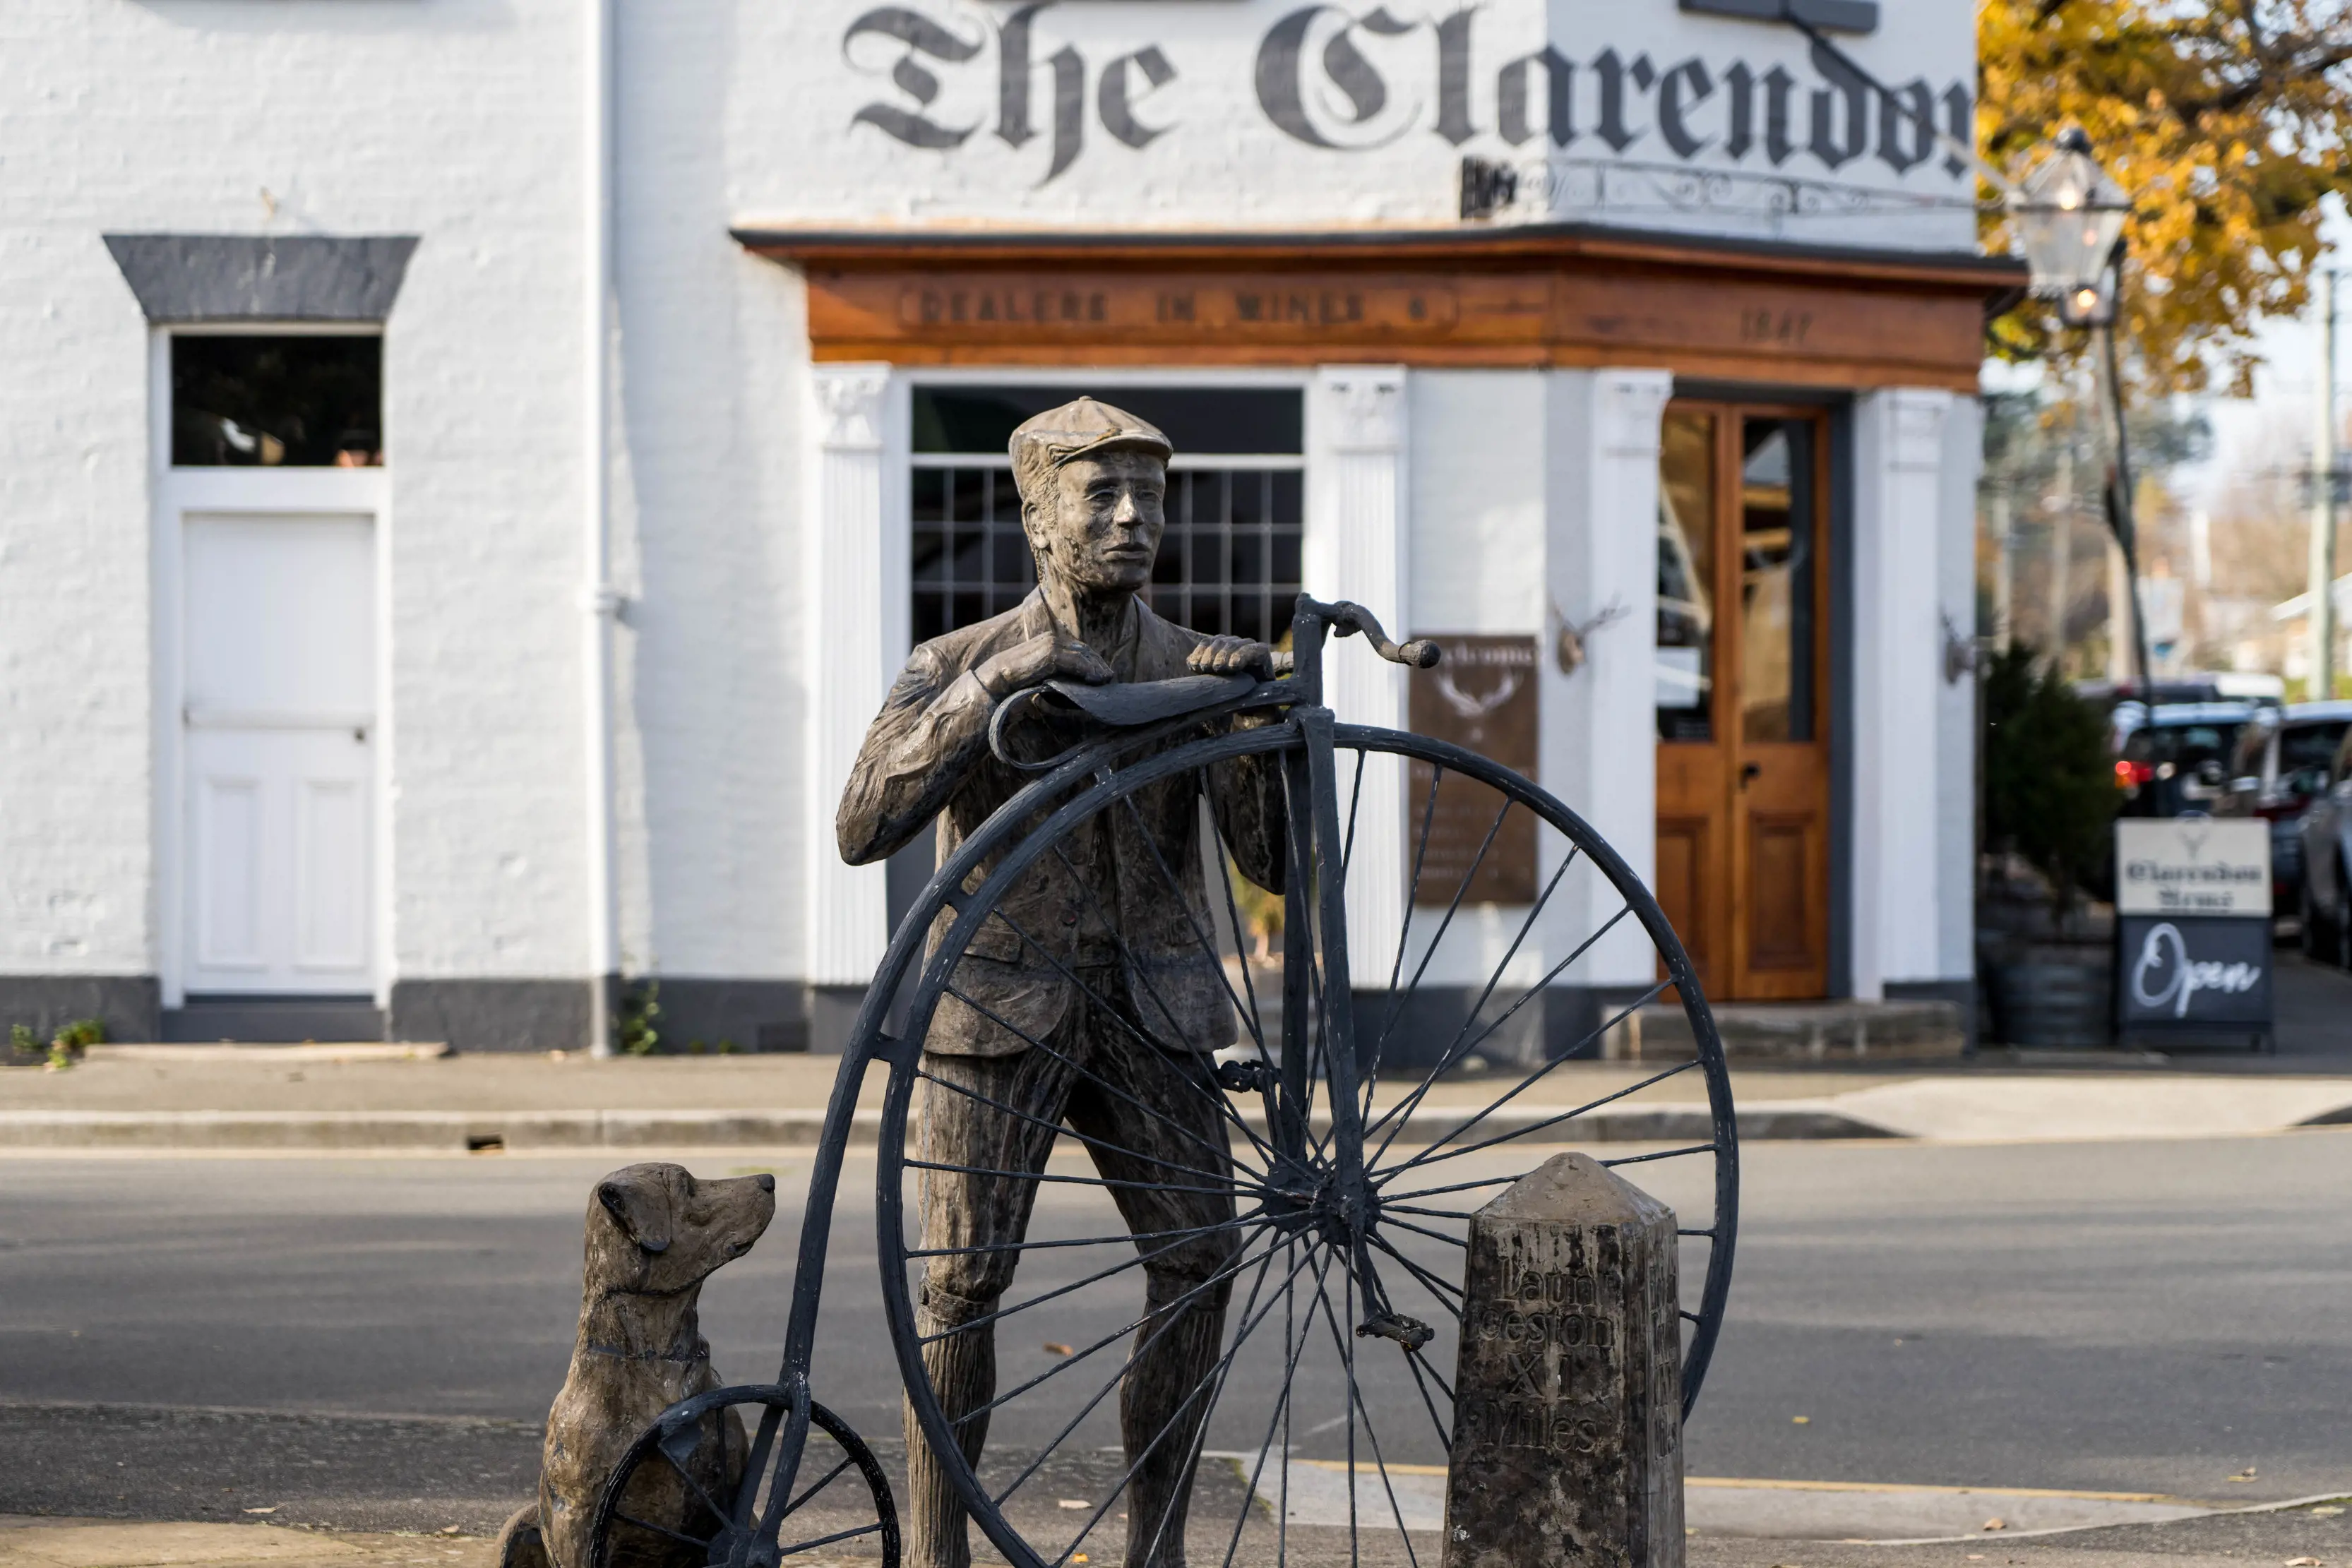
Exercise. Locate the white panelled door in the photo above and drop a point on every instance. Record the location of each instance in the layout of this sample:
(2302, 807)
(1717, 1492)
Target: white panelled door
(280, 694)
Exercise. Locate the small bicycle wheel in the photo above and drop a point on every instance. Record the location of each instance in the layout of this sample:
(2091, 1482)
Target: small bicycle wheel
(673, 1501)
(1132, 1315)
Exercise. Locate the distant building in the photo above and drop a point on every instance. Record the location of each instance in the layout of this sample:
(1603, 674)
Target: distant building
(467, 481)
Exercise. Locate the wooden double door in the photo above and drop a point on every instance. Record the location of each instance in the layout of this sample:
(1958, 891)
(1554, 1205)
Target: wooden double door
(1742, 688)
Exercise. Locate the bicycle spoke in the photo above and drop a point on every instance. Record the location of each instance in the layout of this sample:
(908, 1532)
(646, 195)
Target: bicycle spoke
(1113, 1337)
(1456, 1049)
(1401, 1113)
(1425, 1230)
(815, 1541)
(1457, 1186)
(687, 1476)
(1060, 1131)
(830, 1477)
(1216, 1099)
(1294, 1346)
(1088, 1073)
(1355, 798)
(1224, 1363)
(1084, 1241)
(1432, 1213)
(1429, 954)
(1358, 1406)
(1191, 917)
(1102, 1181)
(1231, 866)
(1662, 1154)
(1431, 1155)
(697, 1543)
(1434, 1284)
(1200, 1437)
(1138, 1261)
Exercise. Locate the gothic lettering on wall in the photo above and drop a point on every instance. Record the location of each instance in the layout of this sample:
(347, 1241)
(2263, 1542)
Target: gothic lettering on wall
(1348, 80)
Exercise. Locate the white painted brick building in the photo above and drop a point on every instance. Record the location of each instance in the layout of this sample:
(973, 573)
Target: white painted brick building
(731, 257)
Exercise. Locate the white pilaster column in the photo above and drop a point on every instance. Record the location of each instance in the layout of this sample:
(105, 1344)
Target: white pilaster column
(856, 636)
(1956, 723)
(1355, 550)
(1599, 723)
(1898, 646)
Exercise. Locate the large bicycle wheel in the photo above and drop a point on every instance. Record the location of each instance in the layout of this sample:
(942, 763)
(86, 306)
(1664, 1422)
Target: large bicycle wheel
(1134, 1320)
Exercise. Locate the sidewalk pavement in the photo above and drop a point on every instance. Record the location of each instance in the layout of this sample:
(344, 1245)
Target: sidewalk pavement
(1783, 1528)
(349, 1098)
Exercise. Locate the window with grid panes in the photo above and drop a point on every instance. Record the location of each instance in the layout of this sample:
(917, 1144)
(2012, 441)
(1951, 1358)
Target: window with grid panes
(1237, 504)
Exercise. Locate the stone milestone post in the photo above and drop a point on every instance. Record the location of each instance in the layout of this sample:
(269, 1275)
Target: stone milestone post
(1567, 1438)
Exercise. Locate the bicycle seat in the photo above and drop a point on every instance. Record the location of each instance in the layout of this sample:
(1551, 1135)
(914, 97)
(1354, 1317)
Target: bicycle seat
(1122, 704)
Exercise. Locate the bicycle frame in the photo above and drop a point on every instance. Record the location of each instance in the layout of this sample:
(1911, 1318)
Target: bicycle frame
(1315, 934)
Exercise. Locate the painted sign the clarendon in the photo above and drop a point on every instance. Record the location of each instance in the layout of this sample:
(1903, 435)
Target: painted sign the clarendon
(1482, 697)
(1641, 86)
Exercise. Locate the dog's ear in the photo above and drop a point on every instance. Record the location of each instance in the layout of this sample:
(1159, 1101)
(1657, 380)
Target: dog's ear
(640, 1211)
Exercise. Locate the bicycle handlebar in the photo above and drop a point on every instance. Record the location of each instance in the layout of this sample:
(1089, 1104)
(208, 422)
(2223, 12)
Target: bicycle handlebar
(1345, 619)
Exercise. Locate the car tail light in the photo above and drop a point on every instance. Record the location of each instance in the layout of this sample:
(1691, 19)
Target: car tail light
(2130, 775)
(2284, 809)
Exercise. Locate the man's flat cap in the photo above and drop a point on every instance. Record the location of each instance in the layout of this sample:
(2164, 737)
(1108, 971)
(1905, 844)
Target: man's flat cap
(1081, 429)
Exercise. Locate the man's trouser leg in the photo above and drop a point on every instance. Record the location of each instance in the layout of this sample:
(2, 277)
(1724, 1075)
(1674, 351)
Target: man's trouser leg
(1156, 1124)
(965, 1210)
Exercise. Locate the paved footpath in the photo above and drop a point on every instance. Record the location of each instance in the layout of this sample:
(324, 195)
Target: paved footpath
(2308, 1537)
(314, 1098)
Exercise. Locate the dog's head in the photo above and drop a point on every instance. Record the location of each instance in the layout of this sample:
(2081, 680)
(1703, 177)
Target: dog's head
(654, 1229)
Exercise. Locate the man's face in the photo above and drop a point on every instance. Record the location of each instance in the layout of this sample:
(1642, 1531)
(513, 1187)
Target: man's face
(1104, 528)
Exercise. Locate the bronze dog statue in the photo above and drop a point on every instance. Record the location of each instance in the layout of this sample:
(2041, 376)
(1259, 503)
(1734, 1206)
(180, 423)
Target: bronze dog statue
(655, 1234)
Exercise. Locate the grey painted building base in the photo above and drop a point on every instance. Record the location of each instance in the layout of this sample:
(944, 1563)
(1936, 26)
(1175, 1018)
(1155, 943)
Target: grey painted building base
(751, 1015)
(493, 1015)
(832, 1012)
(1961, 994)
(273, 1020)
(129, 1006)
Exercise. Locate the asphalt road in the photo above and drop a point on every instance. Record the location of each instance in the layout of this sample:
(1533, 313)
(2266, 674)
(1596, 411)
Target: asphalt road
(368, 1344)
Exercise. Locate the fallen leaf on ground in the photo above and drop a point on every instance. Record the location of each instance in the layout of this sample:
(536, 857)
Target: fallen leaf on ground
(1072, 1502)
(2245, 1475)
(2305, 1563)
(449, 1528)
(1801, 1420)
(1055, 1347)
(1996, 1524)
(2328, 1512)
(271, 1508)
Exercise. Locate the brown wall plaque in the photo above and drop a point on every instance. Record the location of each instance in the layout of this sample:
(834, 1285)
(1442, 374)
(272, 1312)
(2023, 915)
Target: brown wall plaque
(1481, 697)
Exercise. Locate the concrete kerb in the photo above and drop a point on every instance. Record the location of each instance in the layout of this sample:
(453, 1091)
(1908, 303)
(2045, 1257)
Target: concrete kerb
(458, 1131)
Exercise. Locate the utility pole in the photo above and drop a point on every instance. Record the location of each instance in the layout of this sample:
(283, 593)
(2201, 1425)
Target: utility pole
(2061, 549)
(2004, 568)
(2323, 501)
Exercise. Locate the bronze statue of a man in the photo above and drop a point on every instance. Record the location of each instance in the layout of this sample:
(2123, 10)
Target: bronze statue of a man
(1088, 996)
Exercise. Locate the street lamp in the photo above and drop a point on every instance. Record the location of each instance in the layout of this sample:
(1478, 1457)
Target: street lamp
(2069, 215)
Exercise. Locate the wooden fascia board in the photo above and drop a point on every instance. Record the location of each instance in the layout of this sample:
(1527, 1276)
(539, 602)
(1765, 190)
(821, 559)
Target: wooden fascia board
(1523, 248)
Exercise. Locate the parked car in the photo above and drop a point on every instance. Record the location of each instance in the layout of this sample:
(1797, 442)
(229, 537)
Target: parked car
(2326, 830)
(2175, 761)
(2279, 767)
(2198, 686)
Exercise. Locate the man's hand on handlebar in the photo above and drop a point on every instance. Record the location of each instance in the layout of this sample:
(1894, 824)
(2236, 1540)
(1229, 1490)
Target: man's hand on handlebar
(1047, 656)
(1232, 656)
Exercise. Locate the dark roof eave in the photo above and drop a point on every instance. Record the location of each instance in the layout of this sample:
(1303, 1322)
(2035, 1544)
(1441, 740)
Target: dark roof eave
(1521, 242)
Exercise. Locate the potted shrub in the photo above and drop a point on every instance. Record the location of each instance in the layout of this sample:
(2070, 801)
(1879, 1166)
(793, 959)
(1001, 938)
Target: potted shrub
(2049, 804)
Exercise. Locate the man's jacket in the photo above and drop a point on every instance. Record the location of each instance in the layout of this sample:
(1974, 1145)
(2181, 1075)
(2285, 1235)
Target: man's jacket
(1103, 906)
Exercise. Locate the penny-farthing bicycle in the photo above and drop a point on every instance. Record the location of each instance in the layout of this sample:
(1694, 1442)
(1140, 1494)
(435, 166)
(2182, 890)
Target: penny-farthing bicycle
(1341, 1146)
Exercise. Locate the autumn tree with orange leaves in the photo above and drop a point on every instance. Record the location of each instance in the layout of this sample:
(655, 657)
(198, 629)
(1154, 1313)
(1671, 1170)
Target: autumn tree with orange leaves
(2227, 121)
